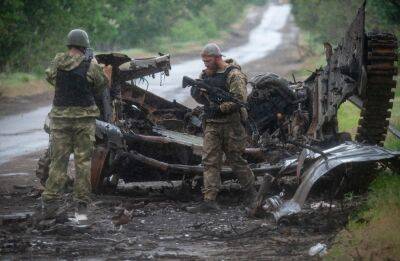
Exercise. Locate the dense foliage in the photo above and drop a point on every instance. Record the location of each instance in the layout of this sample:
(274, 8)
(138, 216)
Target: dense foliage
(327, 20)
(31, 31)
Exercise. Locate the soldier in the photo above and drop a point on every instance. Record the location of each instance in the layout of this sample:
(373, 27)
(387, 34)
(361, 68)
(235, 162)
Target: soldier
(77, 79)
(224, 130)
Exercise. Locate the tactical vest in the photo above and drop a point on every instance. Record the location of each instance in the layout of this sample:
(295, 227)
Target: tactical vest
(72, 87)
(218, 80)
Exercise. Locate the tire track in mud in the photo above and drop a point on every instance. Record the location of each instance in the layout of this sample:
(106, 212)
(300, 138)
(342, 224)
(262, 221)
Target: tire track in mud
(159, 228)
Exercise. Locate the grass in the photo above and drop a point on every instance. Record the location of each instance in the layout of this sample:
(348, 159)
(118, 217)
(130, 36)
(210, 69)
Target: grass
(391, 141)
(188, 37)
(373, 234)
(348, 115)
(22, 84)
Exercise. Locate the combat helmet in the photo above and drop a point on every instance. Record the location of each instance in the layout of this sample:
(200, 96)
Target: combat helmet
(78, 37)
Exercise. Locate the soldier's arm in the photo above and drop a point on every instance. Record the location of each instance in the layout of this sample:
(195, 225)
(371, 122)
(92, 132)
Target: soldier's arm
(98, 79)
(51, 72)
(237, 87)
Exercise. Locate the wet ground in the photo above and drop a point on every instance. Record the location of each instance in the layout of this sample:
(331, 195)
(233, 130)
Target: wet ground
(23, 133)
(155, 226)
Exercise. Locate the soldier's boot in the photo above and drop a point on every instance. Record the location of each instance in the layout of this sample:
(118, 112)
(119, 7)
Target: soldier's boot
(51, 210)
(204, 207)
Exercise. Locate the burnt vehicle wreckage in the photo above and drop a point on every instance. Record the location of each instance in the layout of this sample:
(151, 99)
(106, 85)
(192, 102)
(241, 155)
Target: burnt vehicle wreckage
(294, 131)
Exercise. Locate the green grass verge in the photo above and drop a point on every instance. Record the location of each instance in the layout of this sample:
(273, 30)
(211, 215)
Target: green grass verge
(22, 84)
(373, 233)
(14, 79)
(391, 141)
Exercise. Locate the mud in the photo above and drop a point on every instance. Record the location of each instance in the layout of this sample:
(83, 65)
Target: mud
(15, 105)
(159, 228)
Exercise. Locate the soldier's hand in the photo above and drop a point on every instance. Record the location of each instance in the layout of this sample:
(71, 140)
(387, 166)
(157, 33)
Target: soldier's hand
(212, 111)
(108, 72)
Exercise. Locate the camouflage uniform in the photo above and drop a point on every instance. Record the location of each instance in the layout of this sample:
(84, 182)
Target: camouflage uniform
(225, 133)
(72, 130)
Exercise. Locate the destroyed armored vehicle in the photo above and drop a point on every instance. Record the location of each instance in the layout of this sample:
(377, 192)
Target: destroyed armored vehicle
(293, 127)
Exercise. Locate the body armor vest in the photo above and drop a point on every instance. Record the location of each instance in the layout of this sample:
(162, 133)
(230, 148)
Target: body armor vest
(72, 87)
(218, 80)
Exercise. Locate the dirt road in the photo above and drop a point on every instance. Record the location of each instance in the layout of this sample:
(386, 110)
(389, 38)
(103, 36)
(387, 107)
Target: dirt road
(158, 228)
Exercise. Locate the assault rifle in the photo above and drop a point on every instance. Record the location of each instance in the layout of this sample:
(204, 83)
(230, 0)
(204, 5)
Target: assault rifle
(215, 94)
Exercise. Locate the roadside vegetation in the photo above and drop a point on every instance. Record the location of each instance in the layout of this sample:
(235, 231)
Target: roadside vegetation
(33, 31)
(372, 232)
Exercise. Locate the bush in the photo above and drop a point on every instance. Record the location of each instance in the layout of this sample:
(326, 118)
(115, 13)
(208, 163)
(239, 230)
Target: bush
(33, 31)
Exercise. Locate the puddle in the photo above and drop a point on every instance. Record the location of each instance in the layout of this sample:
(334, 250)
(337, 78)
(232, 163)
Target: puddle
(14, 174)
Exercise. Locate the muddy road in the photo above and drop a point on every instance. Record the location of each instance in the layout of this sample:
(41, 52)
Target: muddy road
(147, 221)
(158, 228)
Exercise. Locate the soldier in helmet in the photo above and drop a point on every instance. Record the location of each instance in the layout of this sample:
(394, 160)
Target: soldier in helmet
(224, 130)
(77, 79)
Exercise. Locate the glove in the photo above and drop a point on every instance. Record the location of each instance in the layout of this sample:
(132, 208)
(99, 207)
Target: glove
(212, 111)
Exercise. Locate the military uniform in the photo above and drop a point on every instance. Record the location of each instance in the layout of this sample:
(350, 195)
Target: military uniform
(224, 132)
(72, 126)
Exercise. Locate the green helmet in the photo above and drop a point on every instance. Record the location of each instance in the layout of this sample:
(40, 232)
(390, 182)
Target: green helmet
(78, 37)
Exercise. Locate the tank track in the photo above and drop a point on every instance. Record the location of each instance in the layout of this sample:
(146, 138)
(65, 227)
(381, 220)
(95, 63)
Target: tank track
(381, 68)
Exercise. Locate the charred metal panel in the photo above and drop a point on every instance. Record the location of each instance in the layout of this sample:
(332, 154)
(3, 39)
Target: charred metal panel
(346, 153)
(339, 79)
